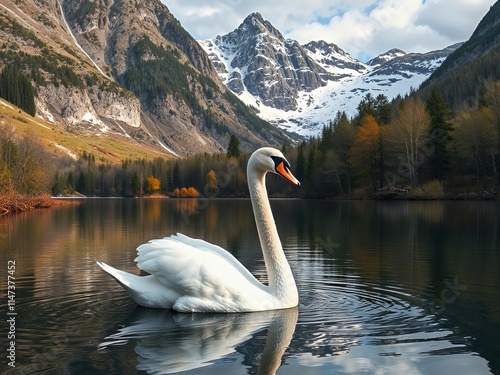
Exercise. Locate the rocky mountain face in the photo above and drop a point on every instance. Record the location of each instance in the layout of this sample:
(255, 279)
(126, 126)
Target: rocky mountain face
(127, 68)
(386, 57)
(396, 63)
(300, 88)
(332, 58)
(263, 62)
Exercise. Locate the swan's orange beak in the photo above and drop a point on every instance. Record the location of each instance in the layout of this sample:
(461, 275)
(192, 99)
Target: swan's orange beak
(283, 170)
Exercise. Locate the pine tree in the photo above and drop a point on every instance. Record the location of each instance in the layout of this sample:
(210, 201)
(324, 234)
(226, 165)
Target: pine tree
(233, 150)
(383, 109)
(300, 169)
(135, 185)
(16, 88)
(367, 107)
(440, 128)
(343, 137)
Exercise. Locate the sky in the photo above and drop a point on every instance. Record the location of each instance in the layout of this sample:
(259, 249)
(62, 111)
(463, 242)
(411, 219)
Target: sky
(363, 28)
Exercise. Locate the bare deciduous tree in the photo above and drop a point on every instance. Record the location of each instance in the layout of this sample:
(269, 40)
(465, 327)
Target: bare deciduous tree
(408, 137)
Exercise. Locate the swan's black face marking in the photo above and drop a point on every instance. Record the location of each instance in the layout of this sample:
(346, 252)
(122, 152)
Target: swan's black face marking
(282, 167)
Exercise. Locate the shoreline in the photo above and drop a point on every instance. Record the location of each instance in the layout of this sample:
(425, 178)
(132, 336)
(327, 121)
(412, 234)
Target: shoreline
(13, 203)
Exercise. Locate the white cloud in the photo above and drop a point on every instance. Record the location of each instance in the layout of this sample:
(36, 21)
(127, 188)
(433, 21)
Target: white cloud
(364, 28)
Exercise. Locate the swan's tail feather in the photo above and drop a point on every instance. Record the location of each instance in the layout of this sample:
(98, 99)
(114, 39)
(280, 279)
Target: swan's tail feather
(122, 277)
(145, 290)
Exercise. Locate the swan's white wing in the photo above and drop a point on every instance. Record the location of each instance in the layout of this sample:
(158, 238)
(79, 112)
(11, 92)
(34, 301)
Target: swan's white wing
(207, 277)
(204, 245)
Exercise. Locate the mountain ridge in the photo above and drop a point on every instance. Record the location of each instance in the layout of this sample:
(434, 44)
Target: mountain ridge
(127, 68)
(332, 79)
(464, 73)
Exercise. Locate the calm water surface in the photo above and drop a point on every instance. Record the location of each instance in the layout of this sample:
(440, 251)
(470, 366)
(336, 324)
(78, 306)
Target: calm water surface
(385, 288)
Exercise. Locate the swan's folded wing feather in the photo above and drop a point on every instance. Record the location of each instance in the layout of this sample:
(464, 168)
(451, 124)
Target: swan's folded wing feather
(207, 246)
(194, 267)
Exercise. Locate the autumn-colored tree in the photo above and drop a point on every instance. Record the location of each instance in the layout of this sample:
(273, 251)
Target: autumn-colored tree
(492, 97)
(211, 187)
(152, 185)
(409, 139)
(192, 192)
(177, 193)
(30, 175)
(365, 152)
(5, 180)
(476, 138)
(184, 192)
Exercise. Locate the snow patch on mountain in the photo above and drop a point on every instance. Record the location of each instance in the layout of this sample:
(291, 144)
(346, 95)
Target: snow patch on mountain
(263, 69)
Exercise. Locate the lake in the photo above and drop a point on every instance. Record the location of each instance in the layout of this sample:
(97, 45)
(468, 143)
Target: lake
(385, 288)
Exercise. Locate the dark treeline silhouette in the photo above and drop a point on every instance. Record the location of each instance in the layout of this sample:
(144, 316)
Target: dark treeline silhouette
(408, 148)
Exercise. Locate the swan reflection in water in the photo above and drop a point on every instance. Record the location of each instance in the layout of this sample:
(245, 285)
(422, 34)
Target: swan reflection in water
(170, 342)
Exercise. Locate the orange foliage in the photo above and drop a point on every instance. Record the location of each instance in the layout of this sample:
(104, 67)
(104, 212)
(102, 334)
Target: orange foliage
(152, 184)
(365, 151)
(190, 192)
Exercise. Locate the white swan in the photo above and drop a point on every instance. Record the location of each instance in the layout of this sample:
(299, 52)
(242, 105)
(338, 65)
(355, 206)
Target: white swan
(191, 275)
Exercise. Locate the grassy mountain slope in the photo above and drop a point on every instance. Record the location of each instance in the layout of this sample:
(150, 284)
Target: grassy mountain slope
(125, 68)
(72, 142)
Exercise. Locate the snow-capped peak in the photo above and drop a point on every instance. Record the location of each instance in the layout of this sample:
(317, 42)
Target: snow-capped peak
(385, 57)
(301, 88)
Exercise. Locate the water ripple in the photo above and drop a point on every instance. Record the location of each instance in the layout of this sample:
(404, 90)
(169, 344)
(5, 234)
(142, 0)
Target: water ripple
(338, 312)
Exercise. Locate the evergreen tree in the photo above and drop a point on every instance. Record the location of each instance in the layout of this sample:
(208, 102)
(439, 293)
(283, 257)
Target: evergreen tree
(383, 109)
(440, 128)
(343, 137)
(176, 176)
(310, 169)
(16, 88)
(300, 168)
(136, 185)
(233, 150)
(380, 108)
(367, 107)
(59, 184)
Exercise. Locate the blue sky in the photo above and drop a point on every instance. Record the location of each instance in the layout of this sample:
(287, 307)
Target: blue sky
(363, 28)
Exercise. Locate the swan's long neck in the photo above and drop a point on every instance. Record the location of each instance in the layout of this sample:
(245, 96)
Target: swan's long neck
(281, 281)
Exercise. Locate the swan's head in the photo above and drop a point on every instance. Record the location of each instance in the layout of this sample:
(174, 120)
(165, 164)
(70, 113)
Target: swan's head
(268, 159)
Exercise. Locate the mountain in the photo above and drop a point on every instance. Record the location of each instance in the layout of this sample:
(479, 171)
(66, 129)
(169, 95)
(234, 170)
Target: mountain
(263, 63)
(463, 74)
(125, 68)
(300, 88)
(386, 57)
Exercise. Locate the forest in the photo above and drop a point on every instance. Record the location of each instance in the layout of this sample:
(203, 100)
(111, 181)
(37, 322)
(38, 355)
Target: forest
(412, 148)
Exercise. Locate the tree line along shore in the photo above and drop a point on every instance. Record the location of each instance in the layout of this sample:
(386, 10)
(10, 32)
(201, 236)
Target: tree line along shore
(410, 148)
